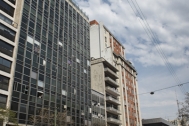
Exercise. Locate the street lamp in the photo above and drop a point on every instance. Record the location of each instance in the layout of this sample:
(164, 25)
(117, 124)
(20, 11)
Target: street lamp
(151, 93)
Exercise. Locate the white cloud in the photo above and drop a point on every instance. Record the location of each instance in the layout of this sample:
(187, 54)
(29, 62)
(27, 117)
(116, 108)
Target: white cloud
(167, 19)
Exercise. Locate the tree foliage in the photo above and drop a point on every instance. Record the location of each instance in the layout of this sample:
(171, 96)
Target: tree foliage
(49, 118)
(184, 111)
(8, 115)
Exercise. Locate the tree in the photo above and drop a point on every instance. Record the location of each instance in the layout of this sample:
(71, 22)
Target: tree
(49, 118)
(184, 111)
(8, 115)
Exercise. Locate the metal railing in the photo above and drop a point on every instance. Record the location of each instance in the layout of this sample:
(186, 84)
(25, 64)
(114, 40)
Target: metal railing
(4, 86)
(4, 68)
(7, 34)
(3, 7)
(113, 109)
(112, 89)
(112, 99)
(110, 119)
(5, 51)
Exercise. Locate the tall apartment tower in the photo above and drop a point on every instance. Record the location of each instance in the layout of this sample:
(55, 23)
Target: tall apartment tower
(9, 30)
(45, 59)
(104, 45)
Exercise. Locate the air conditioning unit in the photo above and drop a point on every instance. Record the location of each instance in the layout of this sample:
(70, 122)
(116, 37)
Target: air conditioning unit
(99, 115)
(82, 113)
(98, 104)
(65, 106)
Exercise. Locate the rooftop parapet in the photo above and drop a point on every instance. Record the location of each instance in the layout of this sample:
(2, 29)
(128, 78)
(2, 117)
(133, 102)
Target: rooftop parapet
(74, 3)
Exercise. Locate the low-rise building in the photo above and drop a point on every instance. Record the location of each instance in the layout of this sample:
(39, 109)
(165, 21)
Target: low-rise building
(156, 122)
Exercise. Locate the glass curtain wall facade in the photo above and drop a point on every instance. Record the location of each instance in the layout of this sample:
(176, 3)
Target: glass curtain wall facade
(53, 62)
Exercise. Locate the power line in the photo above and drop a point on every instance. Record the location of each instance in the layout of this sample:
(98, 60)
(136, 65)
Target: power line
(155, 41)
(164, 88)
(171, 70)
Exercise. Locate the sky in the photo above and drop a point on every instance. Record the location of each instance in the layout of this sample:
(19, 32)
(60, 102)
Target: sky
(160, 62)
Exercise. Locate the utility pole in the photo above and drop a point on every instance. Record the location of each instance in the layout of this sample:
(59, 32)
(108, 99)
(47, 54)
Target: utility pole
(177, 103)
(178, 119)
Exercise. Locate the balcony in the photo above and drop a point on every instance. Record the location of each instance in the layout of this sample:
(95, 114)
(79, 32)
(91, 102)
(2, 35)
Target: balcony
(112, 91)
(7, 33)
(5, 65)
(113, 110)
(110, 73)
(111, 81)
(9, 21)
(113, 120)
(4, 68)
(112, 100)
(5, 51)
(6, 8)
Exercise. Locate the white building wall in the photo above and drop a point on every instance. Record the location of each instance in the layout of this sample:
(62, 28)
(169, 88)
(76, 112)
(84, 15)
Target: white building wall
(100, 48)
(95, 41)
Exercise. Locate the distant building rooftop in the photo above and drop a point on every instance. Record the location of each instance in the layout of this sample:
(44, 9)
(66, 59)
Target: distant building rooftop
(156, 122)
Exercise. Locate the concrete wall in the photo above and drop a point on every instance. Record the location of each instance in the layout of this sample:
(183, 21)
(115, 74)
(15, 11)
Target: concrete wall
(97, 78)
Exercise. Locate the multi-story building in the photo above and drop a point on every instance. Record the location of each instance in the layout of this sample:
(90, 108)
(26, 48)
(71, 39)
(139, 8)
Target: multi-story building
(8, 48)
(45, 59)
(104, 44)
(105, 93)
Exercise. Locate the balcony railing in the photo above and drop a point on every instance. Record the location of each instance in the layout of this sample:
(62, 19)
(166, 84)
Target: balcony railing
(111, 81)
(7, 33)
(5, 51)
(4, 68)
(6, 8)
(4, 87)
(113, 100)
(110, 72)
(112, 91)
(113, 110)
(113, 120)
